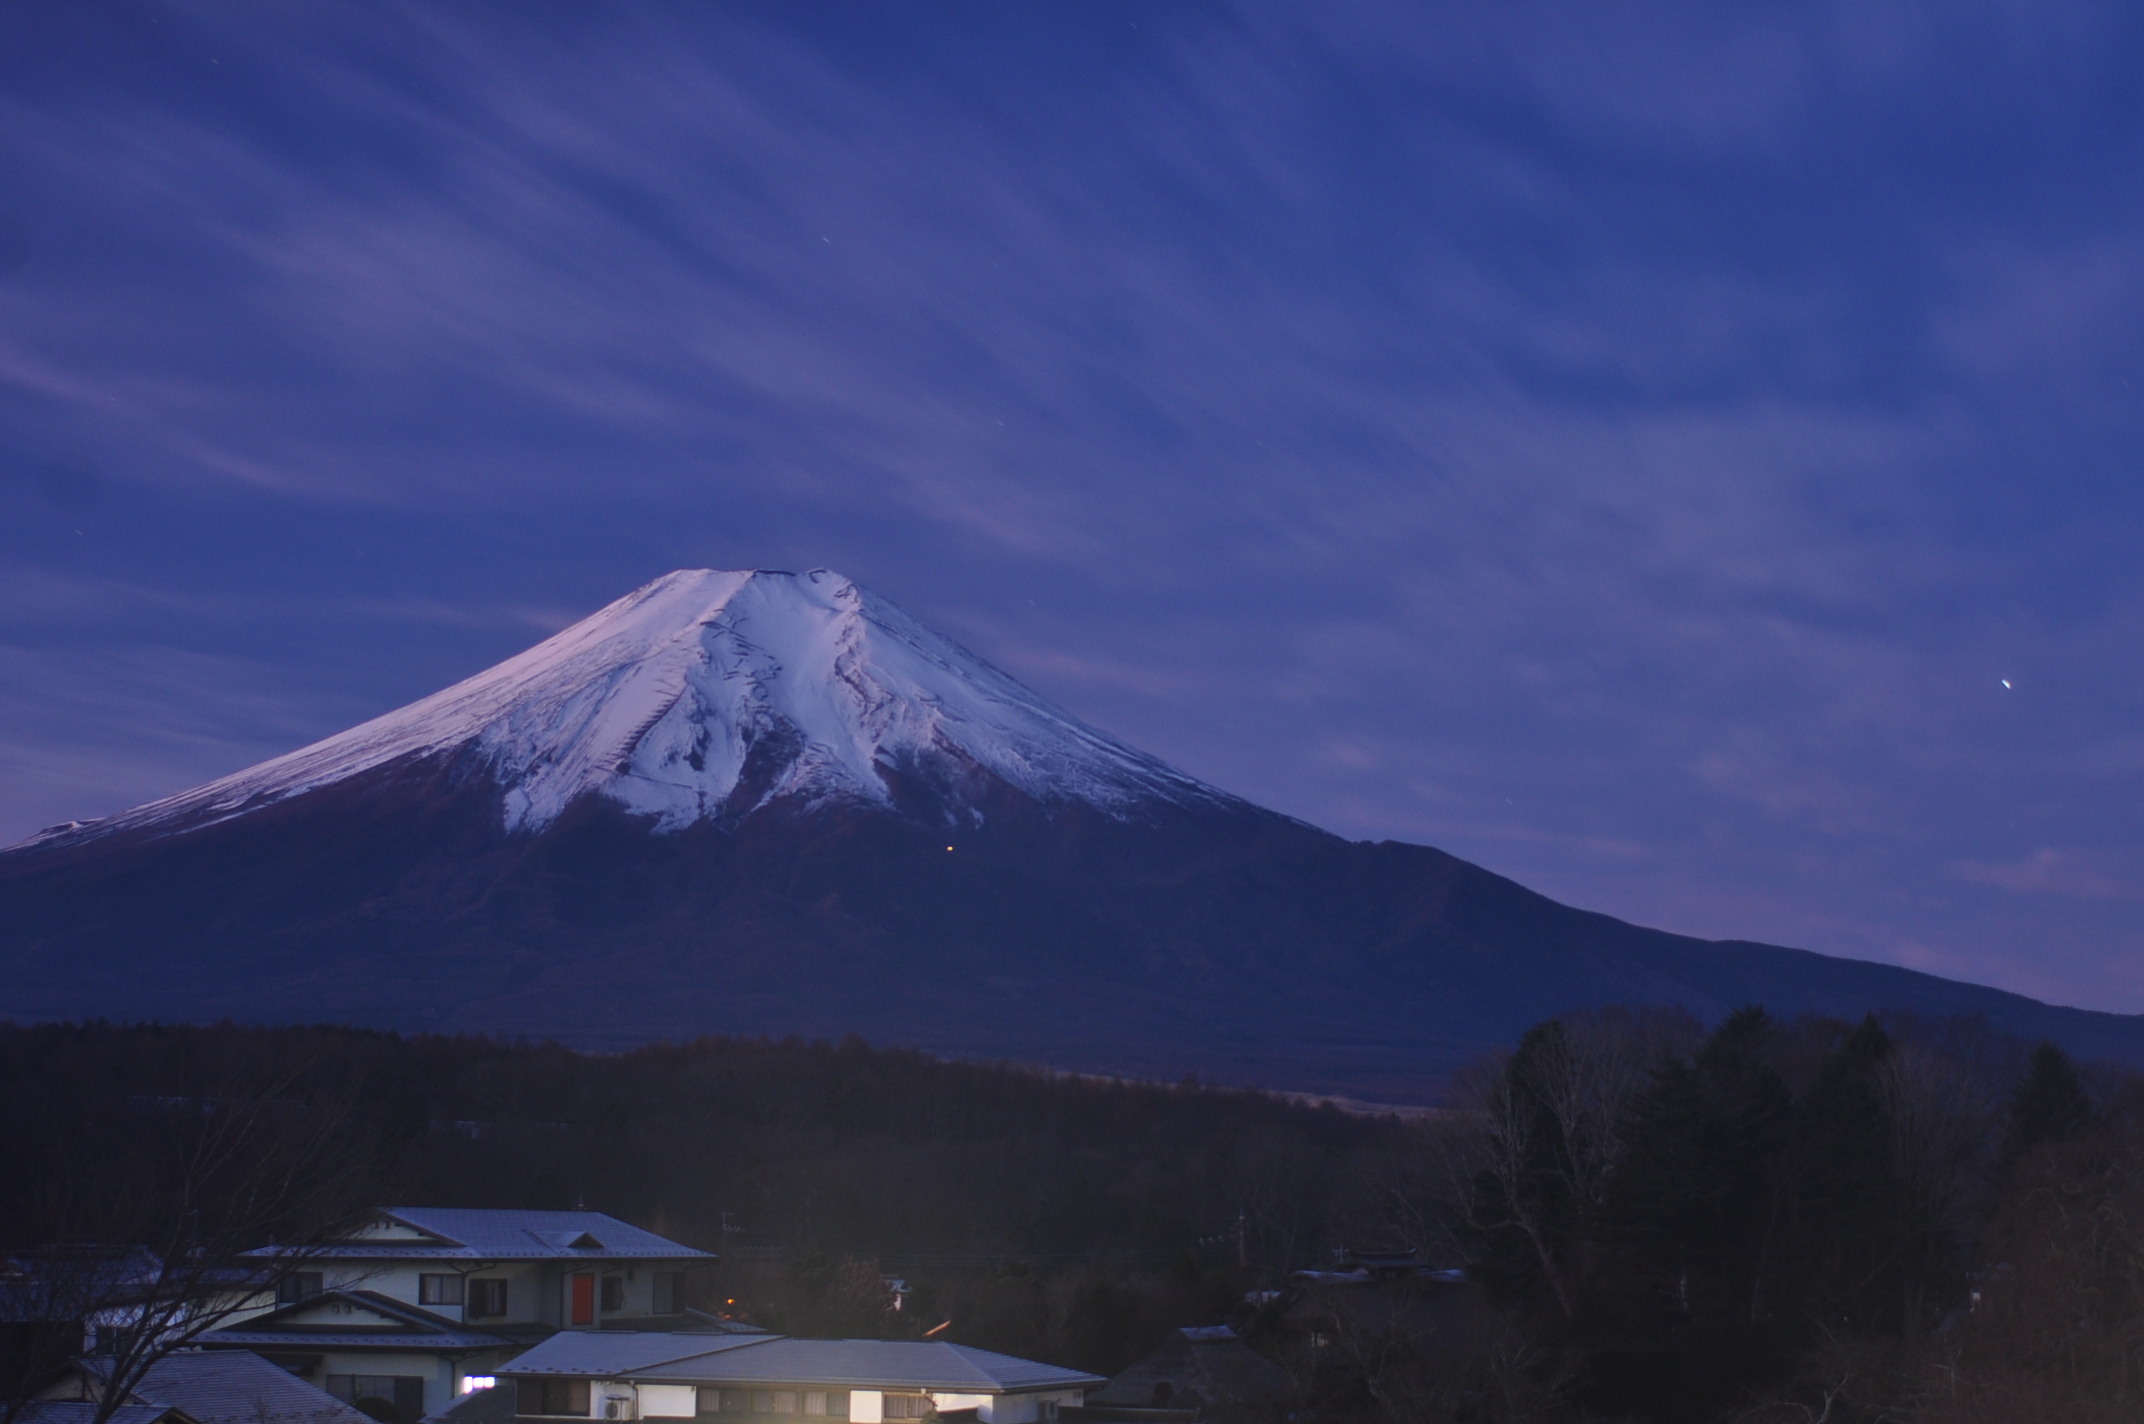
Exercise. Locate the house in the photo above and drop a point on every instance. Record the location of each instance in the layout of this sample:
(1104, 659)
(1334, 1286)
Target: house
(418, 1305)
(553, 1268)
(67, 1300)
(687, 1375)
(1369, 1293)
(214, 1387)
(1206, 1370)
(361, 1345)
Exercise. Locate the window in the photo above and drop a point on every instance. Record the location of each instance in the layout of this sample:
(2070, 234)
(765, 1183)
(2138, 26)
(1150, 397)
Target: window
(553, 1396)
(486, 1297)
(297, 1286)
(907, 1406)
(774, 1401)
(669, 1288)
(614, 1292)
(403, 1395)
(439, 1290)
(815, 1401)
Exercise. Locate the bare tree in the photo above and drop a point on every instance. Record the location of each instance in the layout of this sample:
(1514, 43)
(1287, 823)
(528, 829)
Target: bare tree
(155, 1214)
(1943, 1122)
(1547, 1129)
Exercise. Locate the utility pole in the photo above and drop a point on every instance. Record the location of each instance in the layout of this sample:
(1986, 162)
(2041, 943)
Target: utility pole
(1243, 1248)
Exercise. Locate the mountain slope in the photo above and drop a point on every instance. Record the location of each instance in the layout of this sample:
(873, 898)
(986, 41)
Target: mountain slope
(705, 695)
(771, 803)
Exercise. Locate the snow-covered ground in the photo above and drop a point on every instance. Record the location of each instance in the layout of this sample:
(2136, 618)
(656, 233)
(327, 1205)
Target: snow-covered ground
(655, 700)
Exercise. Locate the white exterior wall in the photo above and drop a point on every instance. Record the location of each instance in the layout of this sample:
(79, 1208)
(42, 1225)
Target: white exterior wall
(1020, 1408)
(867, 1406)
(535, 1291)
(669, 1401)
(389, 1278)
(977, 1402)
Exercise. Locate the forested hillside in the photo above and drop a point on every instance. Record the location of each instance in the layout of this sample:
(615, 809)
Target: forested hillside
(1906, 1221)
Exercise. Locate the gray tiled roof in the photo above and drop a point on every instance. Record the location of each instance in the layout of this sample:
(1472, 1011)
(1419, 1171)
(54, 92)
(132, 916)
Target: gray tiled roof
(612, 1353)
(478, 1406)
(470, 1233)
(69, 1411)
(239, 1387)
(415, 1329)
(856, 1364)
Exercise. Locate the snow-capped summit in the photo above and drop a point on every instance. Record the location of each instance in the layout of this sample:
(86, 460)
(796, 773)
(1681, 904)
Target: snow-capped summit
(709, 693)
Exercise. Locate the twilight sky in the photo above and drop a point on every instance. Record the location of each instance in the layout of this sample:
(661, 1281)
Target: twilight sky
(1628, 448)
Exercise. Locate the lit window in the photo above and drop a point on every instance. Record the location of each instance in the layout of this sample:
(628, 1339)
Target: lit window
(472, 1383)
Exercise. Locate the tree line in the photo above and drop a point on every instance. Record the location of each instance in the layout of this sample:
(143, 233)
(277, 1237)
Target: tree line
(1814, 1220)
(1811, 1221)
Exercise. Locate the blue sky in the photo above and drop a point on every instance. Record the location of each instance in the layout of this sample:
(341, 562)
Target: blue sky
(1627, 449)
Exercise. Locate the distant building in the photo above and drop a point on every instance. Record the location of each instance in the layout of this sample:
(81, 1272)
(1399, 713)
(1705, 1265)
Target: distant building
(62, 1301)
(1205, 1370)
(416, 1306)
(1367, 1292)
(682, 1375)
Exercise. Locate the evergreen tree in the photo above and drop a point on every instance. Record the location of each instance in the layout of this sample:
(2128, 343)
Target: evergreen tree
(2049, 1104)
(1684, 1318)
(1850, 1203)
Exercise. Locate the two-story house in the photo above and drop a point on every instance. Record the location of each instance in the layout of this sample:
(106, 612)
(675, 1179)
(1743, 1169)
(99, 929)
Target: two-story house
(416, 1305)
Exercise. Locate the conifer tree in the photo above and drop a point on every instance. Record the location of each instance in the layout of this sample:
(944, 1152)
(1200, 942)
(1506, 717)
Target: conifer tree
(1692, 1219)
(2049, 1105)
(1850, 1202)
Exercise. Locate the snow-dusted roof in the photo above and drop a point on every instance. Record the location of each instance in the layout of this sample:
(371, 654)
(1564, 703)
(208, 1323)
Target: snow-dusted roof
(378, 1322)
(474, 1234)
(848, 1364)
(238, 1387)
(70, 1411)
(614, 1354)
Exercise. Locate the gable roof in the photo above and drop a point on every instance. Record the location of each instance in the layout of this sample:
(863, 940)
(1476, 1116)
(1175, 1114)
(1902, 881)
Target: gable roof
(77, 1411)
(426, 1233)
(1205, 1364)
(237, 1387)
(478, 1406)
(376, 1322)
(682, 1358)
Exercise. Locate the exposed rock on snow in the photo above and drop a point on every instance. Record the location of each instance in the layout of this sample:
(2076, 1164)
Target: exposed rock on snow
(707, 694)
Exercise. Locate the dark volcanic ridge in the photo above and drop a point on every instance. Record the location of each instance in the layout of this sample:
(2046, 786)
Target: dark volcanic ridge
(754, 803)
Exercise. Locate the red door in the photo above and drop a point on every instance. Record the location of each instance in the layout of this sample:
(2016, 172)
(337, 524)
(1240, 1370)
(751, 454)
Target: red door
(584, 1300)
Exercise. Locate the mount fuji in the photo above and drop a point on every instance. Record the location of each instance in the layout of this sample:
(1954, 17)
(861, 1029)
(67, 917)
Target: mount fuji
(764, 802)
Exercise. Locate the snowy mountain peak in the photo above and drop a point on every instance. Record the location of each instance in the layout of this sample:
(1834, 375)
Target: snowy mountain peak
(709, 693)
